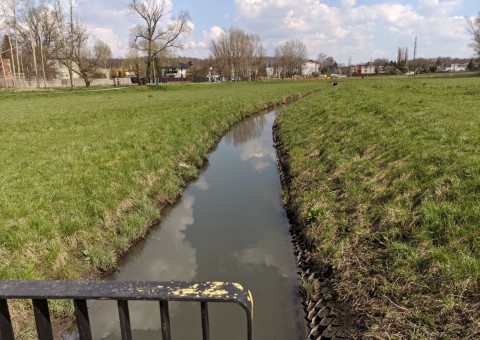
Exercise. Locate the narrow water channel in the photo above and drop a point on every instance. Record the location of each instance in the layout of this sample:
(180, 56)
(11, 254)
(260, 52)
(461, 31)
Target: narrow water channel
(229, 225)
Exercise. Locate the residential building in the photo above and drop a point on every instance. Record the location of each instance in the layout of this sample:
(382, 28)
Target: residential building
(457, 68)
(310, 66)
(175, 70)
(365, 69)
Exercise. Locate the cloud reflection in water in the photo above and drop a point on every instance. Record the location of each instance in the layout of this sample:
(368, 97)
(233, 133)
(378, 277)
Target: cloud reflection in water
(163, 258)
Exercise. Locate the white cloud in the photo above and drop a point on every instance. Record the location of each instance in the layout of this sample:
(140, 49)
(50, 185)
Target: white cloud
(214, 33)
(348, 3)
(347, 28)
(353, 28)
(110, 37)
(439, 7)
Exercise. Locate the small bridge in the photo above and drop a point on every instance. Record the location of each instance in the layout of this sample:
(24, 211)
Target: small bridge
(39, 292)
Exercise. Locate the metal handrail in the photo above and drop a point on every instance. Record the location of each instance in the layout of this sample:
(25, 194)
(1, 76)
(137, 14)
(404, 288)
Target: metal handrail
(121, 291)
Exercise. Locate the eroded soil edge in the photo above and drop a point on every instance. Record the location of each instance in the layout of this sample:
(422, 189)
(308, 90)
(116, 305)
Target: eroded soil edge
(326, 316)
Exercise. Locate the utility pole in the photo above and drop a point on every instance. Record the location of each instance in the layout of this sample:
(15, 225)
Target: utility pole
(414, 55)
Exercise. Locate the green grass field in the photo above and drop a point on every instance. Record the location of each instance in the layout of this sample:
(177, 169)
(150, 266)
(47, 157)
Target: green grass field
(385, 177)
(84, 174)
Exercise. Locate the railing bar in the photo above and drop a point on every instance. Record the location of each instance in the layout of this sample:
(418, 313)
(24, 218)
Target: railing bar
(42, 319)
(205, 321)
(249, 324)
(165, 319)
(81, 291)
(6, 329)
(83, 321)
(125, 326)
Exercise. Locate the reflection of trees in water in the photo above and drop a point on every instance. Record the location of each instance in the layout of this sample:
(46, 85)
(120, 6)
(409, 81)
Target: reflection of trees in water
(246, 130)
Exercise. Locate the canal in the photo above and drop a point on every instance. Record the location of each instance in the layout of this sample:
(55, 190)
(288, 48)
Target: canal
(229, 225)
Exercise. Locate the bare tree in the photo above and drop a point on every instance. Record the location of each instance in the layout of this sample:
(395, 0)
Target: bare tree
(222, 55)
(158, 33)
(37, 30)
(238, 54)
(290, 57)
(69, 28)
(259, 64)
(9, 9)
(31, 24)
(134, 62)
(89, 59)
(473, 26)
(327, 64)
(74, 48)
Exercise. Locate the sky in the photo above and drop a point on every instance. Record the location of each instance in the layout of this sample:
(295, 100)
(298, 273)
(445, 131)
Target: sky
(348, 30)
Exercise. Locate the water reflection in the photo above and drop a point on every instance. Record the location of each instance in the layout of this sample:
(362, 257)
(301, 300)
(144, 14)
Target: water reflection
(164, 257)
(246, 131)
(257, 154)
(268, 252)
(229, 226)
(254, 141)
(202, 183)
(178, 257)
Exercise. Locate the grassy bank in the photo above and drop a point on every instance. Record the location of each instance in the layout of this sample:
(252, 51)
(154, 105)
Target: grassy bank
(384, 178)
(84, 174)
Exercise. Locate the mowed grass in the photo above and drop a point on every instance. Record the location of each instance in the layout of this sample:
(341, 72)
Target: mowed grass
(84, 174)
(385, 177)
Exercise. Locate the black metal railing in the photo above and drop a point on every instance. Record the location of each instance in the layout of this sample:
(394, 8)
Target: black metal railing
(121, 291)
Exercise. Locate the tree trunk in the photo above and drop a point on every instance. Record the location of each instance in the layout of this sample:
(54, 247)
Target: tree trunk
(43, 65)
(34, 59)
(13, 60)
(4, 73)
(149, 69)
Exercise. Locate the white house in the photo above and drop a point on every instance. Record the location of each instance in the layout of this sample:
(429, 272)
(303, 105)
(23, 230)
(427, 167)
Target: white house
(177, 71)
(457, 68)
(365, 69)
(310, 66)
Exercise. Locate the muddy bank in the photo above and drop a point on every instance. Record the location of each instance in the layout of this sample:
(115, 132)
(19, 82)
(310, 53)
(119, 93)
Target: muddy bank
(326, 317)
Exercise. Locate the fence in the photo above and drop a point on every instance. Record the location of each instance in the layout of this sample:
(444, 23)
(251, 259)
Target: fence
(121, 291)
(9, 82)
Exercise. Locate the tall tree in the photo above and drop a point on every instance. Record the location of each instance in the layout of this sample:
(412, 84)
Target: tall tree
(37, 31)
(134, 62)
(69, 28)
(326, 64)
(473, 26)
(74, 46)
(238, 54)
(290, 57)
(89, 59)
(9, 8)
(158, 33)
(402, 57)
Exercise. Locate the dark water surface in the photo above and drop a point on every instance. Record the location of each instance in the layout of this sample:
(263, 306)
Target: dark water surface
(229, 225)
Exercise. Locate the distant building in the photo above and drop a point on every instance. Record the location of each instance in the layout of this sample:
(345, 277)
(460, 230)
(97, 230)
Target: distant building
(457, 68)
(365, 69)
(270, 72)
(64, 74)
(310, 66)
(175, 70)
